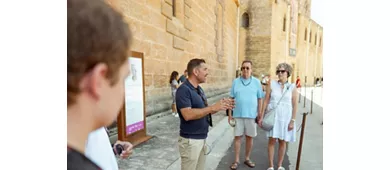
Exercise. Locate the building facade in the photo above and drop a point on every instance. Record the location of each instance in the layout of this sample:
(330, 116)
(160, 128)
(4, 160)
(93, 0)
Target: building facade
(275, 31)
(223, 32)
(171, 32)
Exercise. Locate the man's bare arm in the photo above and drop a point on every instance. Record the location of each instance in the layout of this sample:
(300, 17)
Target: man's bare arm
(194, 114)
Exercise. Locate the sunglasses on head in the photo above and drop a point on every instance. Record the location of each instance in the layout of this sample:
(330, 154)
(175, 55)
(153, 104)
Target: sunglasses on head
(280, 71)
(244, 68)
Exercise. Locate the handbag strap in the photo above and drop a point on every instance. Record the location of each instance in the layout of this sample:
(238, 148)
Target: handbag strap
(282, 97)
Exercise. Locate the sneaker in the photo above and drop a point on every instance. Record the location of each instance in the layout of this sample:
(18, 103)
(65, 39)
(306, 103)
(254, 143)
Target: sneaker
(173, 113)
(270, 168)
(281, 168)
(176, 115)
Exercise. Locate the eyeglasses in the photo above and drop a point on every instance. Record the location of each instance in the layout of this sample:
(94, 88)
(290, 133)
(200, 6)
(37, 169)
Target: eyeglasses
(245, 68)
(280, 71)
(204, 98)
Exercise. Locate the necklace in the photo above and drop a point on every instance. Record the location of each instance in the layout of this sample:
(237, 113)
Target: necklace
(244, 83)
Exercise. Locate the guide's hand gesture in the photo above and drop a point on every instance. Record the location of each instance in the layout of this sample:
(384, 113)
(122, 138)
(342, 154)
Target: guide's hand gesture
(223, 104)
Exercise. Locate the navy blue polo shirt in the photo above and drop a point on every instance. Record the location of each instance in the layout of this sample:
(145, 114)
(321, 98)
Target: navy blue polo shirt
(187, 96)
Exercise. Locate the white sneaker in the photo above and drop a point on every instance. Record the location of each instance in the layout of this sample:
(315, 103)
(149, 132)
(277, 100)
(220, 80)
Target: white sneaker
(176, 115)
(270, 168)
(281, 168)
(173, 113)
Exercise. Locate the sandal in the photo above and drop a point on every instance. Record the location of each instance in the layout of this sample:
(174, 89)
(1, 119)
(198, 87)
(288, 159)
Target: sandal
(234, 166)
(249, 163)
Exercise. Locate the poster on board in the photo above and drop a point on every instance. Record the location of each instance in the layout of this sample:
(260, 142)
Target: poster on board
(134, 97)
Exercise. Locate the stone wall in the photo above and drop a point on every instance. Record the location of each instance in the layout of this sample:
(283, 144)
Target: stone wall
(267, 39)
(257, 35)
(305, 7)
(280, 36)
(171, 32)
(309, 53)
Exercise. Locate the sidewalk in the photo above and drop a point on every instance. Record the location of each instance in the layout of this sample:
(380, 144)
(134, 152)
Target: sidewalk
(312, 148)
(311, 158)
(161, 152)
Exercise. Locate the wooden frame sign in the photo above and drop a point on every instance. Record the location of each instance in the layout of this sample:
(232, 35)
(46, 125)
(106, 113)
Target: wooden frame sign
(132, 117)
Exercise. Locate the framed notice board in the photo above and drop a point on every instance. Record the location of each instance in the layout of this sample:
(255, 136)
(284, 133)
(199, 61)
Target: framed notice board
(132, 117)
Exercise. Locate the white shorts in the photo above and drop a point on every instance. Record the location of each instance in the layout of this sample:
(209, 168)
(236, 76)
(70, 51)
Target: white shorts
(249, 126)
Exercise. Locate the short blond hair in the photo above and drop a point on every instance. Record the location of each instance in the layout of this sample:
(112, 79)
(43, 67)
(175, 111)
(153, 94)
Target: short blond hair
(287, 67)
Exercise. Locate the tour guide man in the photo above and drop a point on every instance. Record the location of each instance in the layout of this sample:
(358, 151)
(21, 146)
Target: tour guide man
(195, 116)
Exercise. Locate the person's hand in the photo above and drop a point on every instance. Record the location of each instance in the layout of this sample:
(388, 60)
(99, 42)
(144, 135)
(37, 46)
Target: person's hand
(259, 121)
(290, 126)
(223, 104)
(230, 103)
(128, 148)
(230, 118)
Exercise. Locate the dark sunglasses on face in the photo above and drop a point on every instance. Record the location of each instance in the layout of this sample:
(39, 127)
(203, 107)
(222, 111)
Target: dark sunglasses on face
(244, 68)
(280, 71)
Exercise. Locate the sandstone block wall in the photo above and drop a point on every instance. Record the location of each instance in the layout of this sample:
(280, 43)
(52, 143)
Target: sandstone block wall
(171, 32)
(267, 39)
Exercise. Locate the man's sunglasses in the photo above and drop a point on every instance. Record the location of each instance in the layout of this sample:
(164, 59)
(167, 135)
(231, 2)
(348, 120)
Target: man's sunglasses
(244, 68)
(280, 71)
(204, 98)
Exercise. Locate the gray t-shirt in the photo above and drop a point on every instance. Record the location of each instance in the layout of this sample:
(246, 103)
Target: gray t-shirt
(173, 86)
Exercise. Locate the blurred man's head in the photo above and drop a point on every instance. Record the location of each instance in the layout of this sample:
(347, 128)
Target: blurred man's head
(97, 62)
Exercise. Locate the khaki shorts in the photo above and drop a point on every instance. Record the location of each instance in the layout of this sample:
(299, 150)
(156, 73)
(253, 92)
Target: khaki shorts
(192, 153)
(245, 126)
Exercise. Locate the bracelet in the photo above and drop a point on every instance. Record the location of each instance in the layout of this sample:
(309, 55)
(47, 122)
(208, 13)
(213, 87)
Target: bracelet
(293, 120)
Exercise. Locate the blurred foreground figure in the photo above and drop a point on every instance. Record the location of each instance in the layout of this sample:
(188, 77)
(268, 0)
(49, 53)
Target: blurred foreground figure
(98, 43)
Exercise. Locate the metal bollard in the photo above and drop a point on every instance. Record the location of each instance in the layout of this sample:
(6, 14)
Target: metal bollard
(300, 94)
(301, 140)
(304, 100)
(311, 104)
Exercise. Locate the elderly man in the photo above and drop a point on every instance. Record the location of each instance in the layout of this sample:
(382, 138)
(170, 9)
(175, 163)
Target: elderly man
(248, 94)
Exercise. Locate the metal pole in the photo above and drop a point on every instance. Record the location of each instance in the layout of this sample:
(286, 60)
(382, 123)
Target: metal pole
(311, 104)
(304, 100)
(301, 141)
(300, 94)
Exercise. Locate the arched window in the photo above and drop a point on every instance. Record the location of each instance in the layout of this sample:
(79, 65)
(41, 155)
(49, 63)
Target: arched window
(320, 41)
(284, 23)
(245, 20)
(174, 8)
(305, 34)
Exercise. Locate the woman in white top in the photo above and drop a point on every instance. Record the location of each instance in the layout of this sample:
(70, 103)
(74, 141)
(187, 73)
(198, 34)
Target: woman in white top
(285, 113)
(174, 85)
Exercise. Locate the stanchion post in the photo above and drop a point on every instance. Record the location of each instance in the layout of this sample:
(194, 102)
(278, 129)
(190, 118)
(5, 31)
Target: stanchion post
(301, 140)
(300, 94)
(304, 100)
(311, 103)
